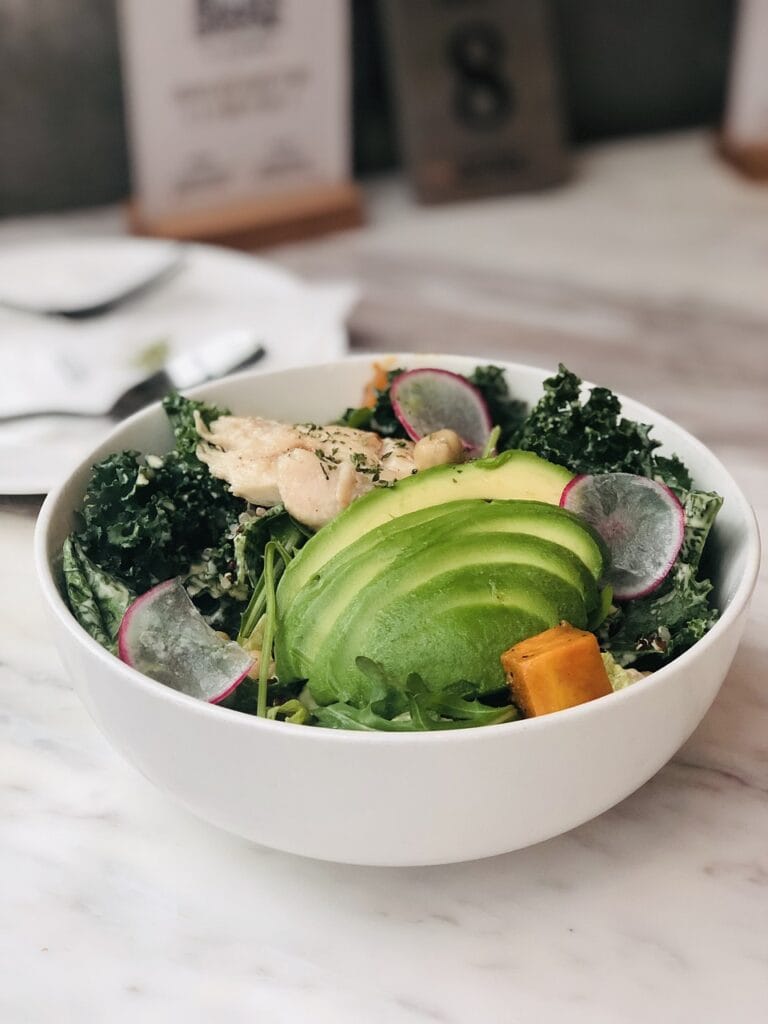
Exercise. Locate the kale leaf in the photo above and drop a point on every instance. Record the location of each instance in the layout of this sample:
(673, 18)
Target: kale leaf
(181, 414)
(507, 413)
(587, 437)
(228, 575)
(653, 629)
(672, 472)
(701, 508)
(97, 600)
(592, 437)
(146, 519)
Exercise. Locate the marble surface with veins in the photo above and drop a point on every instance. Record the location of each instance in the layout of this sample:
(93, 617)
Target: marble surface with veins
(117, 905)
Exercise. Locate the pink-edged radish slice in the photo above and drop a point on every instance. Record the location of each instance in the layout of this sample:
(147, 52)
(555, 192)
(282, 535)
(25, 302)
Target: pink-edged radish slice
(641, 522)
(164, 636)
(427, 400)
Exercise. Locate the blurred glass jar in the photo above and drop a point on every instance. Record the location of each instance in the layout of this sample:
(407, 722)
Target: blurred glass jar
(62, 141)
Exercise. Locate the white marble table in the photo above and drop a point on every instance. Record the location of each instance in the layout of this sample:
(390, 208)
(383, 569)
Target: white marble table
(115, 905)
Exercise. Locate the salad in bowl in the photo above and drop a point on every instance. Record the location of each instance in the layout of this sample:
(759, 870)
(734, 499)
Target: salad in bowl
(444, 553)
(356, 742)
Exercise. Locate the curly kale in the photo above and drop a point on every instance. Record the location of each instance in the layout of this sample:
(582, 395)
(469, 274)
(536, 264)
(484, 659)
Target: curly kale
(651, 630)
(181, 414)
(592, 437)
(587, 437)
(227, 576)
(146, 519)
(507, 413)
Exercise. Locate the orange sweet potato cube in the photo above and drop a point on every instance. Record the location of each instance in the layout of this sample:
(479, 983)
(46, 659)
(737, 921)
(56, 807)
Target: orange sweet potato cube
(554, 670)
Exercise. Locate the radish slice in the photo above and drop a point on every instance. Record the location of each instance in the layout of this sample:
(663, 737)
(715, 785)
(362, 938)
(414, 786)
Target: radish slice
(164, 636)
(428, 400)
(641, 522)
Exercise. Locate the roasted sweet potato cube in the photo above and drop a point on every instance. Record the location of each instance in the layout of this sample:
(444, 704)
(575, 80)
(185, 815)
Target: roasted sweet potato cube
(554, 670)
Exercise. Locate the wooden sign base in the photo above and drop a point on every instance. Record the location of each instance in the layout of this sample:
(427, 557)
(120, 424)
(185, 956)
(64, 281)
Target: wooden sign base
(751, 160)
(260, 223)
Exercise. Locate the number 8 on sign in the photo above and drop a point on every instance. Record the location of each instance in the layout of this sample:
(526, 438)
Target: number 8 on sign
(477, 99)
(482, 99)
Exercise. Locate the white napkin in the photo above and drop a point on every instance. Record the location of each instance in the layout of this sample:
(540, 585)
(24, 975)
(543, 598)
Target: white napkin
(85, 366)
(48, 363)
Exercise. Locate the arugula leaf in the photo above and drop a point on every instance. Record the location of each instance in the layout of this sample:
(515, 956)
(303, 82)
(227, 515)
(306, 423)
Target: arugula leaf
(273, 524)
(278, 528)
(279, 695)
(290, 711)
(413, 706)
(418, 719)
(97, 600)
(345, 716)
(385, 697)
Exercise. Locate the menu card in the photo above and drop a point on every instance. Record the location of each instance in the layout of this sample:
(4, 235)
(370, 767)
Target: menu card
(230, 102)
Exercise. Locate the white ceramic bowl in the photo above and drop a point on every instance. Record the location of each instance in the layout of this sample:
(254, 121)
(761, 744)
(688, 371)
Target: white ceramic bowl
(393, 799)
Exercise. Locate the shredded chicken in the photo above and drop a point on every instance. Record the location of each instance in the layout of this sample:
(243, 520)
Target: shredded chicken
(315, 471)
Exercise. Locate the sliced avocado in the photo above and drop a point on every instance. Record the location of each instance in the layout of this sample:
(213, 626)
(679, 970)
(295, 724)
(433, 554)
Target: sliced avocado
(454, 626)
(303, 626)
(504, 530)
(513, 474)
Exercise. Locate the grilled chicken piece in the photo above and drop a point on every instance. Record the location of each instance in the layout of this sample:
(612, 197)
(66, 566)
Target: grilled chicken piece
(315, 471)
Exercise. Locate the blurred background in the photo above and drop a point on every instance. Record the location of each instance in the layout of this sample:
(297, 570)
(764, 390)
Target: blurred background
(576, 180)
(624, 69)
(639, 66)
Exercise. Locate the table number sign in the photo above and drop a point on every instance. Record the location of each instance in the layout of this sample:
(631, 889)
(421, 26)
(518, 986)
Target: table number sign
(238, 116)
(476, 91)
(745, 138)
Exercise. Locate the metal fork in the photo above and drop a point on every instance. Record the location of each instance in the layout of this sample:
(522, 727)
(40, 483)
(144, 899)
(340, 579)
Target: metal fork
(225, 353)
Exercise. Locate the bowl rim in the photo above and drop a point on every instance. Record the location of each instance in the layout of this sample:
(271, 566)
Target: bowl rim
(500, 732)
